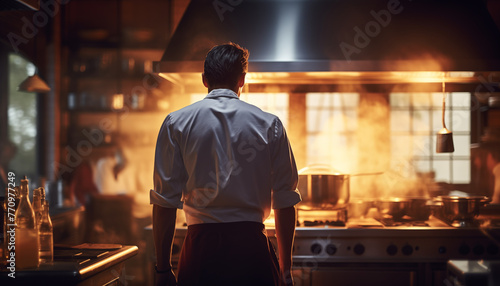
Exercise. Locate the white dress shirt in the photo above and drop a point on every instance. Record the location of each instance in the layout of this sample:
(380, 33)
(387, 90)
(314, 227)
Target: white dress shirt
(224, 160)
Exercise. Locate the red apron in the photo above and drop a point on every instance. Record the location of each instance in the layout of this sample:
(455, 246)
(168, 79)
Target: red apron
(236, 253)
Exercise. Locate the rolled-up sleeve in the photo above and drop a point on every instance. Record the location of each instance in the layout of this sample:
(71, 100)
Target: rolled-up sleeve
(169, 171)
(284, 170)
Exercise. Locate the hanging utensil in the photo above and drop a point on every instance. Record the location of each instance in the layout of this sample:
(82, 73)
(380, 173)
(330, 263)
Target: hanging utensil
(444, 136)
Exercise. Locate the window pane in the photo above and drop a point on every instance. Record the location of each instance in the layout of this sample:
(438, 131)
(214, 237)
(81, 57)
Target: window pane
(423, 166)
(422, 146)
(319, 120)
(332, 100)
(437, 124)
(437, 99)
(460, 99)
(460, 121)
(461, 172)
(349, 99)
(442, 169)
(400, 120)
(421, 100)
(401, 145)
(462, 145)
(399, 100)
(421, 121)
(318, 99)
(351, 120)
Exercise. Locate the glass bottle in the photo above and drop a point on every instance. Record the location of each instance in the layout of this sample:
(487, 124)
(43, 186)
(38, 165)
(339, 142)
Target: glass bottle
(17, 193)
(26, 245)
(45, 231)
(37, 204)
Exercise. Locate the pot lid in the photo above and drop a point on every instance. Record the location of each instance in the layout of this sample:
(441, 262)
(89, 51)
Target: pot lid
(319, 169)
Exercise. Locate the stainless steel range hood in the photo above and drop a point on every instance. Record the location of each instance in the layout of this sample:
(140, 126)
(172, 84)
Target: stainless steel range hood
(339, 35)
(338, 42)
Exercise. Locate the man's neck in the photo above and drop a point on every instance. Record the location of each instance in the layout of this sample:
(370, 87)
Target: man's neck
(237, 90)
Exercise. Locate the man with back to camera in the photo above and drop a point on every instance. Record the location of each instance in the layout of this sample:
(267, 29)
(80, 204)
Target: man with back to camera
(226, 163)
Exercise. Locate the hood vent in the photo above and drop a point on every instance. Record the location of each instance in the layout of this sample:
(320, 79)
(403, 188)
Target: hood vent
(339, 35)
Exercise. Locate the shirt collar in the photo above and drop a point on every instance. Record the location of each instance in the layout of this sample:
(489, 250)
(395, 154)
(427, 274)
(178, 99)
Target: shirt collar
(222, 92)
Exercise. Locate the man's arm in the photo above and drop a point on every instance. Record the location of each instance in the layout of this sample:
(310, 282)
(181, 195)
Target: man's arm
(285, 231)
(163, 234)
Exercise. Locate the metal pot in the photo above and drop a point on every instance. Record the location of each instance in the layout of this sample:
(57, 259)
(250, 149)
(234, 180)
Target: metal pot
(394, 207)
(419, 208)
(455, 208)
(322, 186)
(359, 207)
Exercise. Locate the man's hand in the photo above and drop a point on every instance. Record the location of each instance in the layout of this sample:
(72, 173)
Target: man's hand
(165, 279)
(286, 278)
(285, 232)
(163, 234)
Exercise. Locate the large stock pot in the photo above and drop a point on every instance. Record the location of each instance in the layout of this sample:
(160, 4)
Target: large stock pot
(457, 208)
(322, 186)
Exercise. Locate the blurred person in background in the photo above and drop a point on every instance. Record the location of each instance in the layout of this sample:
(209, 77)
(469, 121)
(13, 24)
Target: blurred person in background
(493, 164)
(126, 172)
(81, 183)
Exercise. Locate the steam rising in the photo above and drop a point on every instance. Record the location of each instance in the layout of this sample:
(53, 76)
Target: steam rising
(362, 143)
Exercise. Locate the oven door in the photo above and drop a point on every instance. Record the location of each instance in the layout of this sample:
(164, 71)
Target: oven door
(373, 273)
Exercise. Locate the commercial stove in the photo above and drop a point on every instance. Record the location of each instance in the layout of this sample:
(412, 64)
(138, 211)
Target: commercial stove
(367, 239)
(383, 251)
(331, 248)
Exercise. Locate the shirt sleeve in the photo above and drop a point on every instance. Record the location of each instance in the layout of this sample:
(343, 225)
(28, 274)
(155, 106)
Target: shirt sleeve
(169, 172)
(284, 170)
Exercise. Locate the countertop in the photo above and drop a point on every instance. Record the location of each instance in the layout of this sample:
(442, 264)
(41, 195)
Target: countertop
(85, 265)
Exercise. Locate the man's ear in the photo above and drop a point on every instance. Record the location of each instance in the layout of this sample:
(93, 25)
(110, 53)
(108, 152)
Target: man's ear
(241, 80)
(204, 79)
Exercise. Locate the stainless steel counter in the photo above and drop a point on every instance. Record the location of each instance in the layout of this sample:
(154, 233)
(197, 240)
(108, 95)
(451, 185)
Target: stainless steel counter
(76, 266)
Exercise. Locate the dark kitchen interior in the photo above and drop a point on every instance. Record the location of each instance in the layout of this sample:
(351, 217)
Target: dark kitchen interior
(364, 89)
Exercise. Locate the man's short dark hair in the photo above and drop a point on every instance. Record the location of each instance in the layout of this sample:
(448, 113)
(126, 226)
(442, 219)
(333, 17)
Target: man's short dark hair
(224, 64)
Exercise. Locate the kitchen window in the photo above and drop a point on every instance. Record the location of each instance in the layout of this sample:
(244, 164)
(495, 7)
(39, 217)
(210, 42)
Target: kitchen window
(22, 119)
(333, 121)
(415, 120)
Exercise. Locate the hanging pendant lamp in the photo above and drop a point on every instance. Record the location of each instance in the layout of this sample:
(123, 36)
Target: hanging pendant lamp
(33, 84)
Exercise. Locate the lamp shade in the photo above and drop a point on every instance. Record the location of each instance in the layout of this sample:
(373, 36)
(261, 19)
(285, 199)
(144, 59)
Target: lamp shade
(444, 141)
(33, 84)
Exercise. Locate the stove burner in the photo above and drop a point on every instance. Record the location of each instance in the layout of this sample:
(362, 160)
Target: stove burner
(322, 217)
(464, 223)
(473, 223)
(402, 222)
(420, 223)
(321, 222)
